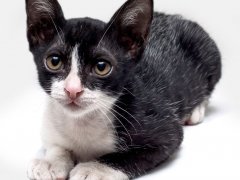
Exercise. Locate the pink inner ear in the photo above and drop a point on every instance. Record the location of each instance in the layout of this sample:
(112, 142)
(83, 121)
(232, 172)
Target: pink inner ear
(131, 45)
(73, 86)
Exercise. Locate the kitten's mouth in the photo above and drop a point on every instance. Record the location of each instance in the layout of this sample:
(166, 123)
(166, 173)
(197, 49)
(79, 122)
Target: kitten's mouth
(73, 105)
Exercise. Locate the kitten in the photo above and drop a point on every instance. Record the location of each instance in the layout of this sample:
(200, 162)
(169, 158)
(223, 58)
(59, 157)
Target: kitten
(119, 92)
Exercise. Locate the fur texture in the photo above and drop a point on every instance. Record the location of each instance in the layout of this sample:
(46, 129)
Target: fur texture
(120, 125)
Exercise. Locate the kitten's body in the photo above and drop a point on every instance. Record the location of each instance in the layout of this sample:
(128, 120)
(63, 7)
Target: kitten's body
(132, 118)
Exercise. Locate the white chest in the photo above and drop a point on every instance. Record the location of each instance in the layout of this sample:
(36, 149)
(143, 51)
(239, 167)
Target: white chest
(87, 138)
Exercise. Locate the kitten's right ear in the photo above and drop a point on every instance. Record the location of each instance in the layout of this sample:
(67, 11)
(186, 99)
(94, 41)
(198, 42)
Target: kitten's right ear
(44, 20)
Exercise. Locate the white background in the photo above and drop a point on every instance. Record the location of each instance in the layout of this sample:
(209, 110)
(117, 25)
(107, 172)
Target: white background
(210, 150)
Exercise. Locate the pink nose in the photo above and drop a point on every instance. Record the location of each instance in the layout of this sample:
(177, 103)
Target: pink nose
(73, 93)
(73, 87)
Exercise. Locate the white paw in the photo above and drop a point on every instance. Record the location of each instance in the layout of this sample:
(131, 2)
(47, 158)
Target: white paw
(197, 115)
(43, 170)
(96, 171)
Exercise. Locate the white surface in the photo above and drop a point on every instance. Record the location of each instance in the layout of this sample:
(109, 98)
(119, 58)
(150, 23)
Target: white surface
(210, 150)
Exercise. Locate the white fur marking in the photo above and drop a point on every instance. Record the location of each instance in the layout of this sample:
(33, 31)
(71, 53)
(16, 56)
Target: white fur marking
(87, 132)
(197, 114)
(73, 83)
(96, 171)
(75, 59)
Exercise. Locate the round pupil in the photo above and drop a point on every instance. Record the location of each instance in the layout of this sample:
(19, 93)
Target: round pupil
(55, 60)
(101, 66)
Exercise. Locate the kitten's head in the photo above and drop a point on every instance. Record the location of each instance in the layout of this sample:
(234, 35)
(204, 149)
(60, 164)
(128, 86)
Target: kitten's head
(84, 63)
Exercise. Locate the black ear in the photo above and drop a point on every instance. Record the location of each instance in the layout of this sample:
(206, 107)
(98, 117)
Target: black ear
(133, 21)
(44, 20)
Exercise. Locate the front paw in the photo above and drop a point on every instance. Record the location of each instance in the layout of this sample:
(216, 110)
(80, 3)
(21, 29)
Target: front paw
(44, 170)
(96, 171)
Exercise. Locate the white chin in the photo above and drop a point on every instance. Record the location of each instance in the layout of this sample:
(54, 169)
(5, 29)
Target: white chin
(78, 110)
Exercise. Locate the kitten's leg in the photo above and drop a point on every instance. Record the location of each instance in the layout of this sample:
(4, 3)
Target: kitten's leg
(56, 165)
(96, 171)
(134, 162)
(197, 115)
(120, 166)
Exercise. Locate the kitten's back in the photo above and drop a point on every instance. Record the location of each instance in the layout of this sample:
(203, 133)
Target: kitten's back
(182, 59)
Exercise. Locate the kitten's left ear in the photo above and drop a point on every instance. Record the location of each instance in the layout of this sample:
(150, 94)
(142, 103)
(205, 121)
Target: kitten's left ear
(44, 20)
(133, 21)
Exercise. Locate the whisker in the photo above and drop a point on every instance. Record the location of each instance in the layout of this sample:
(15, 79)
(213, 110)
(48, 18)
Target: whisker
(125, 111)
(106, 108)
(62, 34)
(124, 118)
(115, 92)
(129, 92)
(106, 124)
(59, 35)
(113, 126)
(114, 19)
(99, 108)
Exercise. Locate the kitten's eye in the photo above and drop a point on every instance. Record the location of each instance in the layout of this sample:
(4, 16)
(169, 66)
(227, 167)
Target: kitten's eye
(54, 63)
(102, 68)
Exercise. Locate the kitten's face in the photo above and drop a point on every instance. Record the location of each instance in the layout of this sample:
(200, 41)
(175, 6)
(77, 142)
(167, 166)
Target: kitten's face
(84, 64)
(79, 84)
